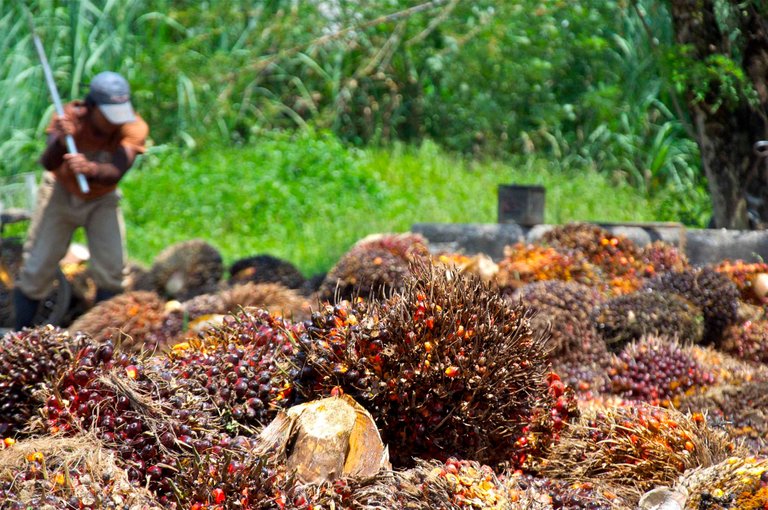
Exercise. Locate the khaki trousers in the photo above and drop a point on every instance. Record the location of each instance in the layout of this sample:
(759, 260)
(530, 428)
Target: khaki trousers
(57, 215)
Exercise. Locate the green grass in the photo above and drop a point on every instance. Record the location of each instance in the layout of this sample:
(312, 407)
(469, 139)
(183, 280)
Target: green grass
(307, 198)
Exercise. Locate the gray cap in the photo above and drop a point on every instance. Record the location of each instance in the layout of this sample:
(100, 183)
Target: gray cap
(112, 95)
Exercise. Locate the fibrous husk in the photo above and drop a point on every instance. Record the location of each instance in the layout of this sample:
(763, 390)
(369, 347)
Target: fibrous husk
(132, 319)
(67, 472)
(734, 483)
(187, 269)
(266, 268)
(629, 317)
(325, 440)
(635, 449)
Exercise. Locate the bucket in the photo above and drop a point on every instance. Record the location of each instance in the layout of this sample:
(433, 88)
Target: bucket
(523, 205)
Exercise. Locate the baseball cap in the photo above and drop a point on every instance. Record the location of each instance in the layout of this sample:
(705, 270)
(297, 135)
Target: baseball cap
(112, 95)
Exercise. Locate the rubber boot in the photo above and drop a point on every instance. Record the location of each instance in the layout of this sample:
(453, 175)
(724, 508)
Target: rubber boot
(104, 294)
(25, 309)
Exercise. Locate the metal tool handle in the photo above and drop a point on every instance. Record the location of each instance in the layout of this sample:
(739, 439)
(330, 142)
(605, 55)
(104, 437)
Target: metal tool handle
(71, 148)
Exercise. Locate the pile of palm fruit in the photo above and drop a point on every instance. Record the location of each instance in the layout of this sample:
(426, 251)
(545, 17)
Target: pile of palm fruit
(580, 372)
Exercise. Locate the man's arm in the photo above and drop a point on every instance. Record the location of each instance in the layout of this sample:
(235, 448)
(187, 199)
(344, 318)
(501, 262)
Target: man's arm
(53, 155)
(104, 173)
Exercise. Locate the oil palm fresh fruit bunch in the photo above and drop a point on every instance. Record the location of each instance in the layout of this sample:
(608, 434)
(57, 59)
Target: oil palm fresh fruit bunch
(187, 269)
(617, 256)
(635, 448)
(134, 319)
(736, 482)
(747, 340)
(552, 493)
(627, 318)
(275, 297)
(246, 367)
(148, 417)
(266, 269)
(28, 359)
(727, 368)
(446, 367)
(738, 409)
(656, 371)
(374, 266)
(746, 276)
(714, 293)
(661, 257)
(526, 263)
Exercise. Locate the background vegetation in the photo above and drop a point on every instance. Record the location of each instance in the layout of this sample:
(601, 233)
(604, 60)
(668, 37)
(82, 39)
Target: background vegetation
(296, 127)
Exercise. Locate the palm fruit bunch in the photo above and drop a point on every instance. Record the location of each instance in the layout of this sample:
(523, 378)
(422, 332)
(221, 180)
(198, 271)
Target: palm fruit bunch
(747, 340)
(446, 367)
(564, 309)
(738, 409)
(67, 473)
(187, 269)
(137, 277)
(726, 368)
(661, 257)
(149, 418)
(744, 275)
(627, 318)
(734, 483)
(275, 297)
(245, 367)
(266, 269)
(134, 319)
(618, 257)
(656, 371)
(559, 494)
(713, 292)
(635, 448)
(27, 360)
(374, 266)
(526, 263)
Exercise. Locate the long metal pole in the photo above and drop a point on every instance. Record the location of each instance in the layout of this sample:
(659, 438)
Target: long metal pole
(81, 181)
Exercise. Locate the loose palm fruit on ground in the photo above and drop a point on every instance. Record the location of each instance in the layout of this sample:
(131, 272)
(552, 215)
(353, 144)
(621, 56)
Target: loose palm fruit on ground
(446, 367)
(374, 266)
(744, 276)
(265, 269)
(187, 269)
(734, 483)
(661, 257)
(635, 448)
(657, 371)
(714, 293)
(740, 410)
(133, 319)
(627, 318)
(526, 263)
(67, 473)
(747, 340)
(28, 359)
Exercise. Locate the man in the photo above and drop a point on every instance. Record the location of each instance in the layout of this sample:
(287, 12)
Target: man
(108, 135)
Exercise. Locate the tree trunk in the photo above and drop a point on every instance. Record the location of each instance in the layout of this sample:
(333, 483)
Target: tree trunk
(726, 130)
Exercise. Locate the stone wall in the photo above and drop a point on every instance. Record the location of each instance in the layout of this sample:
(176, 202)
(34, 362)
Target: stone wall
(702, 246)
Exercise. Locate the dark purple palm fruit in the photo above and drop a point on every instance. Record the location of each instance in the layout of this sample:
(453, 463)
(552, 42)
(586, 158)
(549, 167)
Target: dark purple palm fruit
(714, 293)
(446, 367)
(28, 360)
(657, 371)
(265, 269)
(187, 269)
(373, 267)
(627, 318)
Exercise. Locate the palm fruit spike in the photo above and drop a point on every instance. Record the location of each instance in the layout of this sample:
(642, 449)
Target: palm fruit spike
(64, 473)
(747, 340)
(657, 371)
(27, 360)
(738, 409)
(374, 265)
(635, 448)
(627, 318)
(712, 292)
(187, 269)
(446, 367)
(744, 275)
(736, 482)
(265, 269)
(135, 319)
(245, 365)
(660, 257)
